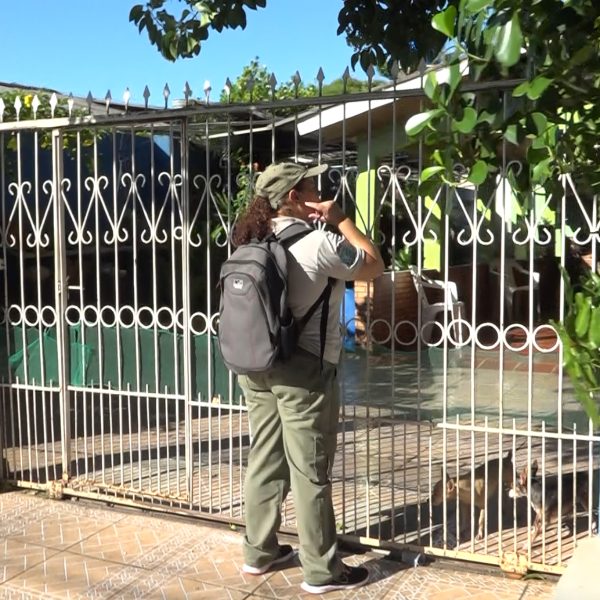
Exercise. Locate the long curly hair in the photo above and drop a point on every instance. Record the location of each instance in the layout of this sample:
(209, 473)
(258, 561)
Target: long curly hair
(254, 223)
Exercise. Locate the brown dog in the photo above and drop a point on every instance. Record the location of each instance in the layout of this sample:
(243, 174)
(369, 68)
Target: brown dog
(483, 490)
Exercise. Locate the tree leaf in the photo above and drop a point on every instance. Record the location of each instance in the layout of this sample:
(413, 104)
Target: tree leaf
(444, 21)
(478, 172)
(537, 87)
(509, 41)
(468, 122)
(540, 121)
(431, 86)
(521, 89)
(136, 13)
(429, 172)
(512, 134)
(474, 6)
(418, 122)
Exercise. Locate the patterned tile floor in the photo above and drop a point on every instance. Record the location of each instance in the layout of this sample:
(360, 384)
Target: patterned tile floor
(70, 549)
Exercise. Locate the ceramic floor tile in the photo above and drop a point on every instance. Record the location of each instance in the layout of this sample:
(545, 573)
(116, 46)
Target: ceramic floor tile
(213, 559)
(59, 530)
(126, 544)
(16, 557)
(68, 576)
(29, 519)
(151, 543)
(426, 583)
(180, 587)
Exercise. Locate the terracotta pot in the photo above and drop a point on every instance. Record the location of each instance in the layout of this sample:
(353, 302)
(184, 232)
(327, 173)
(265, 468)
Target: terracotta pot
(382, 304)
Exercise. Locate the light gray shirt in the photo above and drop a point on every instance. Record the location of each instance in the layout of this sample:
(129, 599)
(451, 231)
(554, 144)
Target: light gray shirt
(314, 258)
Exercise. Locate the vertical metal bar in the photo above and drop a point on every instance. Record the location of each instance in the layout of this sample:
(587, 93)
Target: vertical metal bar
(514, 503)
(574, 488)
(111, 431)
(457, 503)
(343, 416)
(543, 466)
(3, 443)
(369, 291)
(4, 230)
(158, 445)
(420, 236)
(37, 242)
(62, 340)
(486, 494)
(394, 182)
(188, 388)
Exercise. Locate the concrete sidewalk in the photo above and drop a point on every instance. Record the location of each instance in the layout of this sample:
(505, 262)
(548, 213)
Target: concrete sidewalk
(77, 549)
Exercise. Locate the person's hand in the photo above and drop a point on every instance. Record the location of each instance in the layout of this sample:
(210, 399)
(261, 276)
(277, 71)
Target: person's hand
(326, 212)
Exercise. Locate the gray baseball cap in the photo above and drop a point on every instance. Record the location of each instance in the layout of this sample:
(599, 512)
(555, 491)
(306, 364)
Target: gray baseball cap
(279, 178)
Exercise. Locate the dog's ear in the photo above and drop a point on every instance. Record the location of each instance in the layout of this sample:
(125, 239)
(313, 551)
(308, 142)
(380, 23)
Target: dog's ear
(523, 476)
(534, 467)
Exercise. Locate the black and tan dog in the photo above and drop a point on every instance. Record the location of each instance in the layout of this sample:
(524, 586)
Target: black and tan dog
(545, 500)
(484, 489)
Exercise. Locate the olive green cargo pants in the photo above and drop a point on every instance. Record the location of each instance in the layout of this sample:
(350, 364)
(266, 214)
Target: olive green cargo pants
(293, 412)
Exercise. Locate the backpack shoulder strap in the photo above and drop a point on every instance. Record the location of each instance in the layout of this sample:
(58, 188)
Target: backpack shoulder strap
(292, 233)
(324, 300)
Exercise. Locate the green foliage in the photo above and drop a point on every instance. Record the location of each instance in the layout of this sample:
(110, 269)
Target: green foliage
(182, 36)
(28, 112)
(262, 88)
(403, 258)
(551, 121)
(380, 32)
(230, 207)
(580, 335)
(384, 31)
(255, 84)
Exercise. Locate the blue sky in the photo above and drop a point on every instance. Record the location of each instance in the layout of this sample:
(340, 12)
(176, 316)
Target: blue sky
(89, 45)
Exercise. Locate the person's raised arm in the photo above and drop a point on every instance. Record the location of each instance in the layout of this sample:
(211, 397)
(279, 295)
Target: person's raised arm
(330, 212)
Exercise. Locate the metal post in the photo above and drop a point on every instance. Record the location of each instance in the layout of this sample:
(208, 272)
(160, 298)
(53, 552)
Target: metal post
(62, 341)
(185, 299)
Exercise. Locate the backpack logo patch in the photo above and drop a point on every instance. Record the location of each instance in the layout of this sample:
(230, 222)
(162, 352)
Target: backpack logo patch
(238, 284)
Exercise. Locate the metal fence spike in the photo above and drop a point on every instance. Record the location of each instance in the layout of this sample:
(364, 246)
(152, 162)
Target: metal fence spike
(370, 73)
(89, 100)
(296, 79)
(207, 89)
(422, 66)
(53, 103)
(18, 104)
(272, 81)
(187, 92)
(227, 88)
(35, 104)
(320, 75)
(395, 70)
(126, 98)
(346, 74)
(166, 94)
(108, 100)
(70, 103)
(146, 96)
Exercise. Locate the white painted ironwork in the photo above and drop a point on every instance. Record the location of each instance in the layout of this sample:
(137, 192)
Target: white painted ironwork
(113, 230)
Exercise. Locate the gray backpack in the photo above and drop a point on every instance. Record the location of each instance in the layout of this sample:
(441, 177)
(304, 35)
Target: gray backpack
(256, 325)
